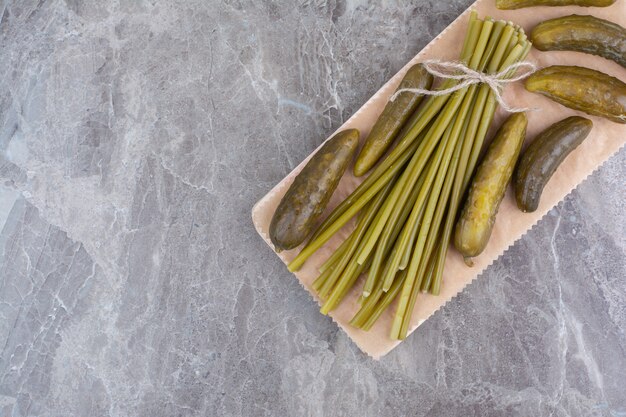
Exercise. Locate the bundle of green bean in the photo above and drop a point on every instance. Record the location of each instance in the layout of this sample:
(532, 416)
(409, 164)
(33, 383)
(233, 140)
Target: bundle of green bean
(409, 202)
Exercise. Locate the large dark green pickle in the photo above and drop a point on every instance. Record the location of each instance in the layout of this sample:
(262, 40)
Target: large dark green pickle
(584, 89)
(476, 221)
(392, 119)
(543, 156)
(582, 34)
(518, 4)
(308, 195)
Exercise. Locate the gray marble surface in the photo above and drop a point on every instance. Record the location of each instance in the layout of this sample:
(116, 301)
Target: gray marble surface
(135, 136)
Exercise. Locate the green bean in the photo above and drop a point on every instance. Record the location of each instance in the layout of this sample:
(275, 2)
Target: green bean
(404, 262)
(349, 277)
(436, 209)
(402, 245)
(371, 302)
(514, 41)
(391, 235)
(442, 203)
(396, 199)
(389, 250)
(471, 38)
(428, 277)
(402, 314)
(388, 297)
(494, 40)
(332, 259)
(321, 279)
(348, 274)
(508, 35)
(427, 260)
(407, 247)
(454, 130)
(406, 256)
(420, 256)
(335, 272)
(398, 209)
(368, 304)
(481, 45)
(361, 230)
(458, 181)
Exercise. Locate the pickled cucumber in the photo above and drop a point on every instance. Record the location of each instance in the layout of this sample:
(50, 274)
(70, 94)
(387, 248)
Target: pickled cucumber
(392, 119)
(475, 224)
(308, 195)
(544, 155)
(582, 34)
(518, 4)
(584, 89)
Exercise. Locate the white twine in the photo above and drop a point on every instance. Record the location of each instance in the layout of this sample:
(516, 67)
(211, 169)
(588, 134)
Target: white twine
(458, 71)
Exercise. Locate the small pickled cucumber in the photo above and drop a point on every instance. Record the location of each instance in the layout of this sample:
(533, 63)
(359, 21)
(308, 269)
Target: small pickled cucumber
(308, 195)
(544, 155)
(392, 119)
(582, 34)
(584, 89)
(518, 4)
(475, 224)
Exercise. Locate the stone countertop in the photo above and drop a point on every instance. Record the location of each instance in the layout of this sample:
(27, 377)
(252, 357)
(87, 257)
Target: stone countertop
(135, 137)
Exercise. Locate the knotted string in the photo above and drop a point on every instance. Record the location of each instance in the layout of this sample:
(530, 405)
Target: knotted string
(458, 71)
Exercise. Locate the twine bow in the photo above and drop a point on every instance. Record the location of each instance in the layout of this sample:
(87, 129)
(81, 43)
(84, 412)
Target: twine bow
(458, 71)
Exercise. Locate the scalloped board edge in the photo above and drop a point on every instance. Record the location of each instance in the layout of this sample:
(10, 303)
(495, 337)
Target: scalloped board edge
(605, 140)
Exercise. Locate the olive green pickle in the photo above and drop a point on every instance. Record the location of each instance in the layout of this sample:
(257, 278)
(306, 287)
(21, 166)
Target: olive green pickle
(584, 89)
(488, 187)
(519, 4)
(308, 195)
(586, 34)
(543, 156)
(392, 119)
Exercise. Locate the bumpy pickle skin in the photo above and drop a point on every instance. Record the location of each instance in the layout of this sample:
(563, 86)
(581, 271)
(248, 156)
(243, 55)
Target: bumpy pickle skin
(308, 195)
(543, 156)
(391, 120)
(587, 34)
(584, 89)
(488, 187)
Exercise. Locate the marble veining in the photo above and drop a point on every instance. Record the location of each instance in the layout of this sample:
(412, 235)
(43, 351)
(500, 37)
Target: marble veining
(135, 137)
